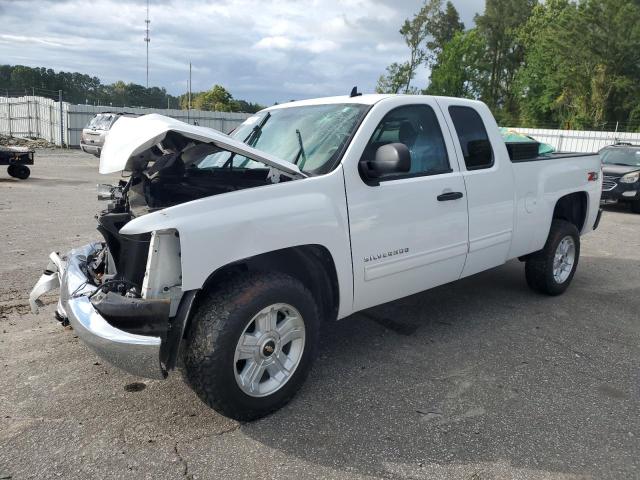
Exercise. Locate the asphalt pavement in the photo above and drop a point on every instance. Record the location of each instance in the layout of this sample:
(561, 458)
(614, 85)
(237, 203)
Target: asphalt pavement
(479, 379)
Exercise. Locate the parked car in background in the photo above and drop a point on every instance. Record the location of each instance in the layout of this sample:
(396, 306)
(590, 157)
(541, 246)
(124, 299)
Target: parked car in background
(94, 134)
(621, 170)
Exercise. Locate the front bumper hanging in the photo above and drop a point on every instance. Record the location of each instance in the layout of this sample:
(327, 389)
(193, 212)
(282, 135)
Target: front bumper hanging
(133, 353)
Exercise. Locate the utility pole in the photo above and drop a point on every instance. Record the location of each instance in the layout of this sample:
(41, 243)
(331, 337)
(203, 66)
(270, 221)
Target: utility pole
(189, 97)
(147, 40)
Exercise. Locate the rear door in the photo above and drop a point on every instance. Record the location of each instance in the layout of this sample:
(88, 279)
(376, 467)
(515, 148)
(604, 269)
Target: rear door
(409, 232)
(488, 177)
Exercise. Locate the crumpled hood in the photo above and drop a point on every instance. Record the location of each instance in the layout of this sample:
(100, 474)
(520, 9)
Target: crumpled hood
(130, 137)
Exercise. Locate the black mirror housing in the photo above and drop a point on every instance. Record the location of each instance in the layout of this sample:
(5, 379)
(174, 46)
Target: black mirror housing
(393, 158)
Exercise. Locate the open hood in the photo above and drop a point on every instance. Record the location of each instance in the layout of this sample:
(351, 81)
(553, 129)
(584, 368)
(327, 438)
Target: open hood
(130, 138)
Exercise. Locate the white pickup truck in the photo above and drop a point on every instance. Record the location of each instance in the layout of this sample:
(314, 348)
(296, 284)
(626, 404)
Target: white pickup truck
(232, 251)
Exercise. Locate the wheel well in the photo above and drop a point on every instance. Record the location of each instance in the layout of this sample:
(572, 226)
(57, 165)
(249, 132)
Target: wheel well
(572, 208)
(311, 264)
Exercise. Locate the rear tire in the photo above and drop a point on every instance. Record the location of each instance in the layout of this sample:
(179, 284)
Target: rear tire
(219, 357)
(551, 270)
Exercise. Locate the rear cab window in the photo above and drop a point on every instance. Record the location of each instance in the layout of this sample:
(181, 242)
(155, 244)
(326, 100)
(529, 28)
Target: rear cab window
(472, 134)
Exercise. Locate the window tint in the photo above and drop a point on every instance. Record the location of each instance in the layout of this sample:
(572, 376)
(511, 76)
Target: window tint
(417, 127)
(473, 137)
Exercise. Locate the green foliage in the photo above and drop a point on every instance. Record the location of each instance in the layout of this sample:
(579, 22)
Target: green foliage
(415, 31)
(396, 78)
(457, 71)
(564, 63)
(219, 99)
(444, 26)
(582, 63)
(80, 88)
(499, 26)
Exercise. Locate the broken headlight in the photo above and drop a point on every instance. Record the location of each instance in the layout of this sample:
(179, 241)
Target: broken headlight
(109, 192)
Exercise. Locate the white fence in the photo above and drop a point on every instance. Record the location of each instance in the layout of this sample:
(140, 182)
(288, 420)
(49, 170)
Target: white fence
(32, 117)
(578, 140)
(40, 117)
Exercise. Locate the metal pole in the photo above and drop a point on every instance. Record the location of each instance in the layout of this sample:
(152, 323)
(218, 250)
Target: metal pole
(189, 102)
(37, 117)
(147, 40)
(28, 117)
(61, 123)
(50, 121)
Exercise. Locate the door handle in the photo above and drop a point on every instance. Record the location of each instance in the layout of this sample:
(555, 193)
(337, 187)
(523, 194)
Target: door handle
(443, 197)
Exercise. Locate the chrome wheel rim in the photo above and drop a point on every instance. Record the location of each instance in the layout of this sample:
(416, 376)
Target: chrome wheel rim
(269, 350)
(564, 259)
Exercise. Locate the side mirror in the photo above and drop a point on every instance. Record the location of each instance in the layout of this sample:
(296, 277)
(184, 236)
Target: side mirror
(393, 158)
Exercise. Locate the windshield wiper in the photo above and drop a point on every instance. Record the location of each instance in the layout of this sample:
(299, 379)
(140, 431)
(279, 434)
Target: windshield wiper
(250, 140)
(301, 153)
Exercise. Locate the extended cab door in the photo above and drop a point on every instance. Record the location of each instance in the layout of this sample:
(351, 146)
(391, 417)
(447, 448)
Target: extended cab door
(488, 176)
(409, 232)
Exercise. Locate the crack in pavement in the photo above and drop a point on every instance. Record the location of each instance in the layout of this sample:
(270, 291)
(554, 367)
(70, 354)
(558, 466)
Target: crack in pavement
(183, 461)
(185, 465)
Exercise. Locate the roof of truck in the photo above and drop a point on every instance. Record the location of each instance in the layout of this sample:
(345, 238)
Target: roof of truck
(365, 99)
(368, 99)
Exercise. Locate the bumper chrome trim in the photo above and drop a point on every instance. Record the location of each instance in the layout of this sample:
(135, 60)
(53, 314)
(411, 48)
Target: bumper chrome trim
(135, 354)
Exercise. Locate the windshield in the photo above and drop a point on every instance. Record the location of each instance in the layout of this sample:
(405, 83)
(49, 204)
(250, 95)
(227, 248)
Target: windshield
(100, 122)
(311, 137)
(621, 156)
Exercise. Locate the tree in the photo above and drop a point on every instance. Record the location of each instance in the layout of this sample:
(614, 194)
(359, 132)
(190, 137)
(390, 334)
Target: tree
(415, 32)
(425, 34)
(598, 79)
(458, 70)
(81, 88)
(499, 26)
(444, 26)
(396, 78)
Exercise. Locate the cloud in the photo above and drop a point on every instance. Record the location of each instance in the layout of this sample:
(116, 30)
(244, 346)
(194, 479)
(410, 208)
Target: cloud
(261, 50)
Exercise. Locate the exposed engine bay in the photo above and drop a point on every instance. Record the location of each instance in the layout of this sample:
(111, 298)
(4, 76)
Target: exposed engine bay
(176, 170)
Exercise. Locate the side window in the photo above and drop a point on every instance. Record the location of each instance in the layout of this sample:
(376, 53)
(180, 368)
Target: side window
(473, 137)
(417, 127)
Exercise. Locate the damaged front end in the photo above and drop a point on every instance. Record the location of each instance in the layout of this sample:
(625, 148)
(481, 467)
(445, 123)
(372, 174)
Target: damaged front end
(80, 304)
(137, 329)
(123, 296)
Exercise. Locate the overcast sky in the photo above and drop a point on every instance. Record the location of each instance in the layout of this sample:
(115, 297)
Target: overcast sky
(260, 50)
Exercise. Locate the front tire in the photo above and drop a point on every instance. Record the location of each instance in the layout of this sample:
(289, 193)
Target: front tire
(635, 206)
(551, 269)
(252, 344)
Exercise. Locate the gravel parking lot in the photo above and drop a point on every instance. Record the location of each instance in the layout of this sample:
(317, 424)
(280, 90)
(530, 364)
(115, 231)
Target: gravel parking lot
(479, 379)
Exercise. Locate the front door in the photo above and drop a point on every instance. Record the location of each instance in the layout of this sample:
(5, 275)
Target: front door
(410, 232)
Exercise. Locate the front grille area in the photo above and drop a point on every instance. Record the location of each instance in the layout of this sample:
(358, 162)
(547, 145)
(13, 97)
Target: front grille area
(609, 183)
